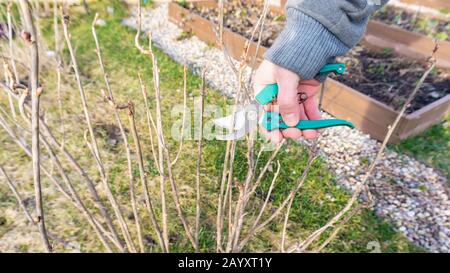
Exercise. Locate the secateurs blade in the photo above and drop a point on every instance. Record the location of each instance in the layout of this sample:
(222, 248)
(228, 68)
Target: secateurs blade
(245, 120)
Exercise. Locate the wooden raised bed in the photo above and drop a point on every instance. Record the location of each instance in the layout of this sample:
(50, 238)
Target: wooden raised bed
(369, 115)
(434, 4)
(406, 43)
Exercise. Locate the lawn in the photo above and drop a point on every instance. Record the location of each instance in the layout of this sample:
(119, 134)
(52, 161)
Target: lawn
(317, 202)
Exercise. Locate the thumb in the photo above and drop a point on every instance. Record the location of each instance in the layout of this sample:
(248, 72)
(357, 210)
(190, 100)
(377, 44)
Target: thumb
(289, 107)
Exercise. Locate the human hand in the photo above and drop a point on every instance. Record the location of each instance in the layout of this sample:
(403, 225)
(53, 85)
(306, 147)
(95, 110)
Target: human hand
(287, 103)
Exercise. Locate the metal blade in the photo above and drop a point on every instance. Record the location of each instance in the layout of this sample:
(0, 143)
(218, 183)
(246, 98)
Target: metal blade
(241, 118)
(227, 122)
(233, 136)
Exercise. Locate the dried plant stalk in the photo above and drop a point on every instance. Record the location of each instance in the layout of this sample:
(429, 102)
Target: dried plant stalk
(150, 121)
(10, 41)
(220, 201)
(161, 140)
(72, 196)
(10, 82)
(93, 142)
(338, 228)
(310, 239)
(199, 157)
(16, 194)
(258, 226)
(180, 148)
(158, 163)
(59, 68)
(111, 100)
(142, 175)
(31, 39)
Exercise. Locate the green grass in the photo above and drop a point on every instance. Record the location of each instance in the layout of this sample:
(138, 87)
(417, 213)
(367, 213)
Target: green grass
(316, 203)
(431, 147)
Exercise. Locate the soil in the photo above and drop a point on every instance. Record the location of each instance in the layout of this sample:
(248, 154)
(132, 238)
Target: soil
(389, 78)
(381, 75)
(414, 22)
(242, 16)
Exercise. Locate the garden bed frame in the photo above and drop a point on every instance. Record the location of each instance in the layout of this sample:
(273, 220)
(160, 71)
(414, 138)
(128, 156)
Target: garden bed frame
(369, 115)
(434, 4)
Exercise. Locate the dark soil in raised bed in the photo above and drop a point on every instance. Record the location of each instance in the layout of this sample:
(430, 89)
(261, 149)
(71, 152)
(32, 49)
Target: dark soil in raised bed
(242, 16)
(381, 75)
(390, 79)
(414, 21)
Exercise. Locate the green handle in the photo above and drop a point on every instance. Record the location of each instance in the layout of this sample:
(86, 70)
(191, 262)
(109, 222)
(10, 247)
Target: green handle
(273, 121)
(270, 92)
(337, 68)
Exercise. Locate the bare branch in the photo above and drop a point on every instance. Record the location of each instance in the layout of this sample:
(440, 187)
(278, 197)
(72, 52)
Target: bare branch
(10, 40)
(31, 39)
(142, 175)
(199, 157)
(93, 141)
(111, 99)
(184, 113)
(16, 194)
(308, 241)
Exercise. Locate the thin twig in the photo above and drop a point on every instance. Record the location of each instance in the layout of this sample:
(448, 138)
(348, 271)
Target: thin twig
(111, 99)
(70, 158)
(308, 241)
(10, 82)
(10, 39)
(184, 114)
(93, 142)
(16, 194)
(293, 192)
(142, 175)
(160, 134)
(158, 163)
(199, 160)
(338, 228)
(31, 39)
(74, 196)
(150, 121)
(269, 192)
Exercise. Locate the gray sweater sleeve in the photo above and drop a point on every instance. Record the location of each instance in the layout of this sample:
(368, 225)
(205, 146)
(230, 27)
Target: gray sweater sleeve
(317, 31)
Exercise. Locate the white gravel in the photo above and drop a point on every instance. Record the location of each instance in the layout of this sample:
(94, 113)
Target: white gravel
(408, 193)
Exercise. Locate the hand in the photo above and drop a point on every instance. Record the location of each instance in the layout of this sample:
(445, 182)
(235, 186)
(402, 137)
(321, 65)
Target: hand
(287, 103)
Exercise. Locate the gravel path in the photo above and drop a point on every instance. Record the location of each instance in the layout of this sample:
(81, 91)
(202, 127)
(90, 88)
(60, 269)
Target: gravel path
(408, 193)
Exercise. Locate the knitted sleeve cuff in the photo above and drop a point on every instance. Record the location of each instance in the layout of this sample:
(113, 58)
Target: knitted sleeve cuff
(304, 46)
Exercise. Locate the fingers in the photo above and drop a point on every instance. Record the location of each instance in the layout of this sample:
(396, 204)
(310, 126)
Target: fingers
(292, 133)
(287, 103)
(312, 110)
(274, 136)
(264, 75)
(308, 134)
(287, 99)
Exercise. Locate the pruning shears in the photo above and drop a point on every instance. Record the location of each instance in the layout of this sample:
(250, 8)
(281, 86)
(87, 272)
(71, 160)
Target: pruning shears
(246, 119)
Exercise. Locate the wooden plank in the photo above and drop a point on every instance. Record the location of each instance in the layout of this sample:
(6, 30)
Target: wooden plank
(368, 115)
(406, 43)
(434, 4)
(202, 28)
(426, 117)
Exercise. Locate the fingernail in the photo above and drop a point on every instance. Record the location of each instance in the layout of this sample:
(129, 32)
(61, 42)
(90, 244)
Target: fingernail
(290, 119)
